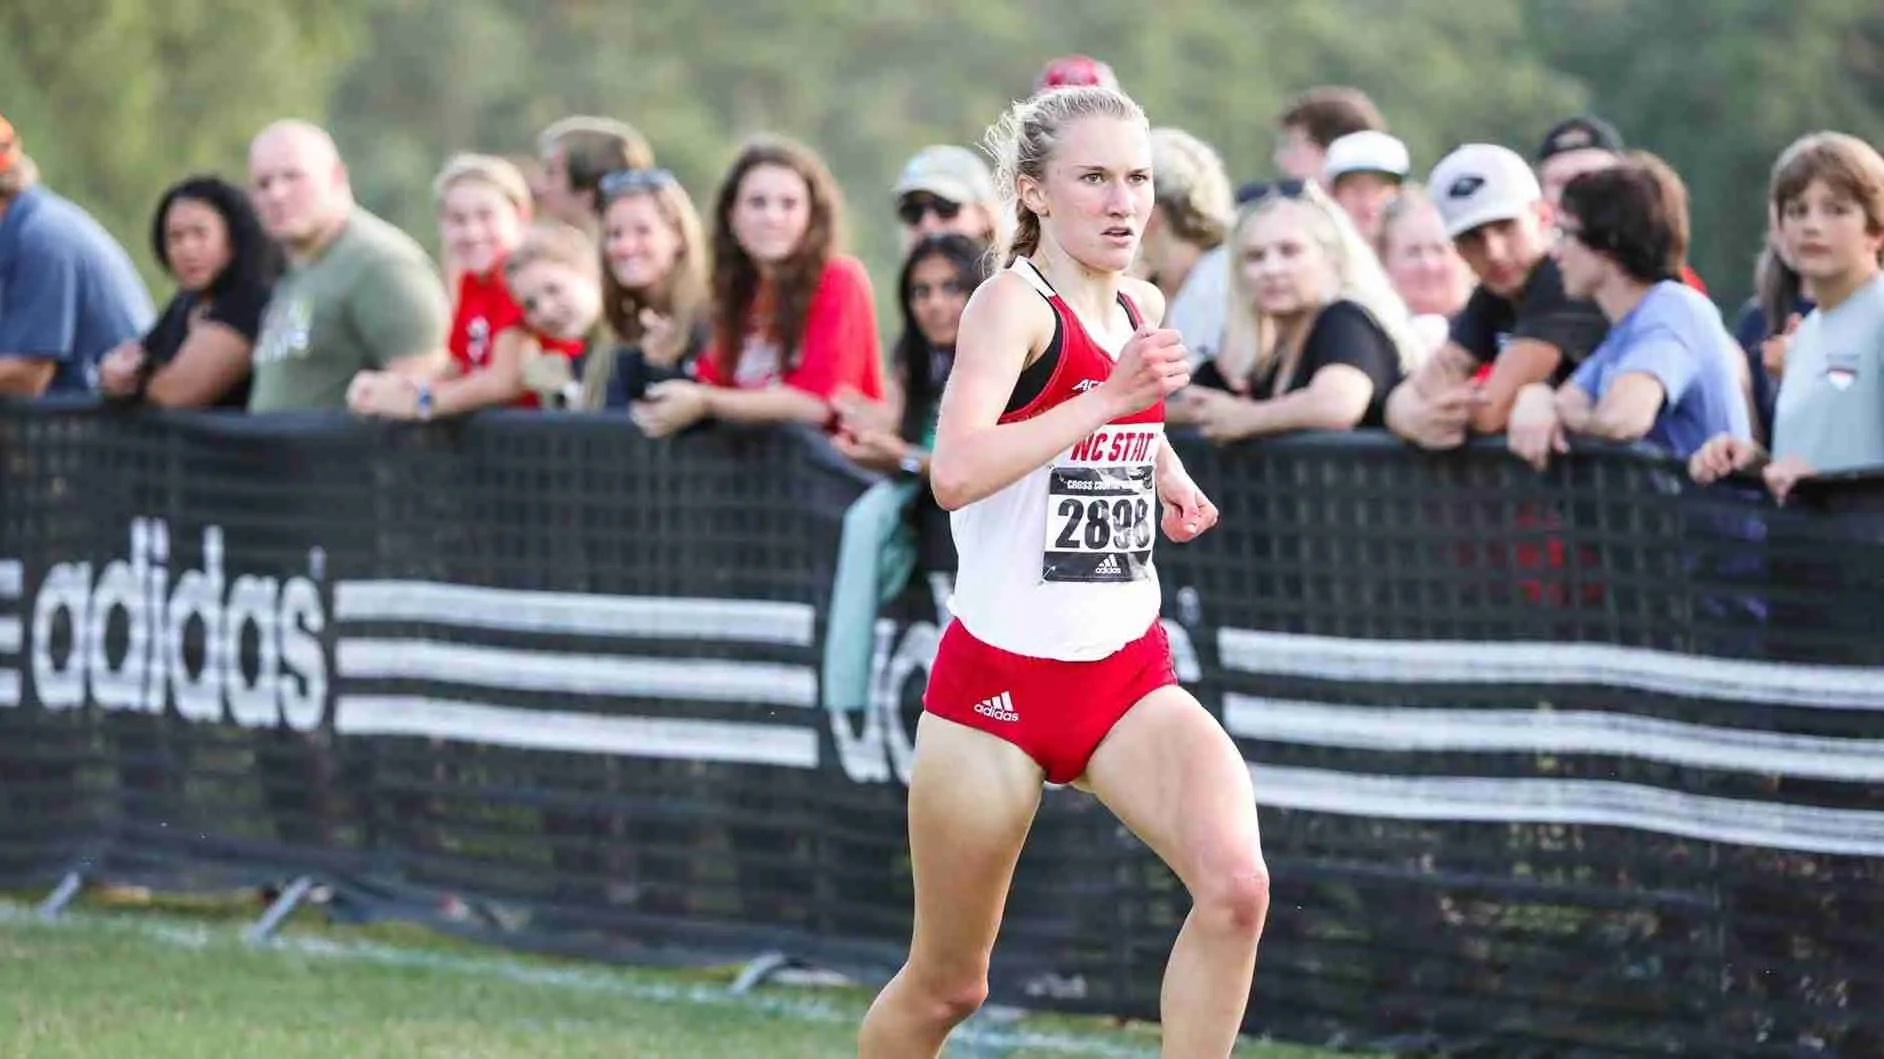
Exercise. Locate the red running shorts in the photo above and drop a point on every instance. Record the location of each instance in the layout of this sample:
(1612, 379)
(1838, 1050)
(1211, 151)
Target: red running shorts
(1057, 712)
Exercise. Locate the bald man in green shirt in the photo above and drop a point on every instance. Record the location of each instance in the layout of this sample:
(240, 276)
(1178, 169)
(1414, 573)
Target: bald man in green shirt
(359, 294)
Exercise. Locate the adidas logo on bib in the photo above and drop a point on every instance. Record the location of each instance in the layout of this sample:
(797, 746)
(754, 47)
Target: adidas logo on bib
(1108, 565)
(1000, 708)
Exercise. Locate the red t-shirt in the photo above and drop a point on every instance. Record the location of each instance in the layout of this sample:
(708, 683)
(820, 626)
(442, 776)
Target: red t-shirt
(484, 309)
(838, 348)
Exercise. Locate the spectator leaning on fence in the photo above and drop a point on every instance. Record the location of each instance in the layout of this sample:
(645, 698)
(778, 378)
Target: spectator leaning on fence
(945, 188)
(654, 288)
(68, 292)
(793, 319)
(937, 278)
(1183, 250)
(577, 153)
(359, 294)
(1667, 373)
(557, 279)
(1314, 120)
(1426, 269)
(1316, 336)
(1519, 320)
(483, 208)
(1828, 195)
(207, 237)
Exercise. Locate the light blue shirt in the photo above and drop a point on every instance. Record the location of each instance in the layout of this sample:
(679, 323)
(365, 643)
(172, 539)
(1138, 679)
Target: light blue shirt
(1676, 336)
(1831, 399)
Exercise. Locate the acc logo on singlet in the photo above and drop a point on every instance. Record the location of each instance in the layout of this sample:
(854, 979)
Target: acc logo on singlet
(135, 634)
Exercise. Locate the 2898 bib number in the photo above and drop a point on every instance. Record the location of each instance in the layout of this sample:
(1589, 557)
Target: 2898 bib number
(1100, 524)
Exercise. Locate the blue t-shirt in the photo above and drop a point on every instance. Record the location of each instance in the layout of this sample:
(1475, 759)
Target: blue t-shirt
(68, 291)
(1675, 335)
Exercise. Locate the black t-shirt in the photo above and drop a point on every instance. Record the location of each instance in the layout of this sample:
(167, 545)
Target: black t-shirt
(1542, 311)
(633, 373)
(1343, 333)
(238, 308)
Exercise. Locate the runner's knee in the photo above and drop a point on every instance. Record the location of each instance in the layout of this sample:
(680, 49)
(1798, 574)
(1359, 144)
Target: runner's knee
(949, 996)
(1234, 897)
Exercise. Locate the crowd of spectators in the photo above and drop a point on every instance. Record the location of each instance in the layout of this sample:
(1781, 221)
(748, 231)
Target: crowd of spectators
(1538, 299)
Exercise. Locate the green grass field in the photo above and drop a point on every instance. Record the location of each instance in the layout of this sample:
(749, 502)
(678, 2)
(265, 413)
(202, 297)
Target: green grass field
(146, 984)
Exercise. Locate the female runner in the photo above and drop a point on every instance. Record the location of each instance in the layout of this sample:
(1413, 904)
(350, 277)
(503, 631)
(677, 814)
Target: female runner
(1050, 456)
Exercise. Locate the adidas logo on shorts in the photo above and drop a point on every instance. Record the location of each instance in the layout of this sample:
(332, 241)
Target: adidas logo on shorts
(1108, 565)
(1001, 708)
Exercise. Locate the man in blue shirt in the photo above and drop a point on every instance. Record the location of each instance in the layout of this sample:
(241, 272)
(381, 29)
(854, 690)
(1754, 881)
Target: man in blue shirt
(68, 291)
(1668, 373)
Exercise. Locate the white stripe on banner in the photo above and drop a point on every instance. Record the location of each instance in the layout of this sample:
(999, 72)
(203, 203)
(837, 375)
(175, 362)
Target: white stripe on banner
(580, 733)
(576, 613)
(12, 579)
(697, 679)
(1466, 662)
(1589, 802)
(10, 639)
(1417, 730)
(9, 688)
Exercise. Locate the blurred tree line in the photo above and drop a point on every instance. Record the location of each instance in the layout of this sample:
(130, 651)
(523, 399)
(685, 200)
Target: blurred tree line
(116, 98)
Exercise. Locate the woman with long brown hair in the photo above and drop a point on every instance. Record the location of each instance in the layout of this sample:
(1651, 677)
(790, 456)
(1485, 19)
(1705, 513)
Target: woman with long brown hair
(793, 317)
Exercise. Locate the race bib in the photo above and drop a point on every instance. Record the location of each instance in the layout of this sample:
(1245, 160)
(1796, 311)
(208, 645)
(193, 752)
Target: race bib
(1102, 509)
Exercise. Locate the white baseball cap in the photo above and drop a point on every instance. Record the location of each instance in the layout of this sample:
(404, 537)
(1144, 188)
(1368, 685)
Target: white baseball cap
(948, 172)
(1367, 151)
(1480, 183)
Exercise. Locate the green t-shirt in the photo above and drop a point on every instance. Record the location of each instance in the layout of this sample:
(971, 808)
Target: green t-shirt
(370, 298)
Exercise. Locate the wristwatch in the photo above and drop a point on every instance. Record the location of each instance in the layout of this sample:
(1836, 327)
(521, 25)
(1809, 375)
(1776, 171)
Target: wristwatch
(425, 403)
(910, 464)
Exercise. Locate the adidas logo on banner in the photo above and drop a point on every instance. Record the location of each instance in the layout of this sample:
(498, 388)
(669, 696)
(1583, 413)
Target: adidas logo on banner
(1001, 708)
(1108, 565)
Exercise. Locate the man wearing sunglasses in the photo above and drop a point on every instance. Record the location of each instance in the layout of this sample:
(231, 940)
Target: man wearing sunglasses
(945, 189)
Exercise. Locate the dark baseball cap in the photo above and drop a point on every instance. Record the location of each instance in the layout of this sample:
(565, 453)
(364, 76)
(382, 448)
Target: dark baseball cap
(1577, 134)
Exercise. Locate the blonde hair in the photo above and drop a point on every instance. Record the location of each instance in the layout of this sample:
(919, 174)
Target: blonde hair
(685, 297)
(559, 242)
(491, 170)
(1023, 141)
(1189, 181)
(1250, 339)
(1411, 200)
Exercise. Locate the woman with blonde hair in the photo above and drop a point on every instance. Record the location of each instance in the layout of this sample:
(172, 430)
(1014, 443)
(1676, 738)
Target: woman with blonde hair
(655, 273)
(1316, 337)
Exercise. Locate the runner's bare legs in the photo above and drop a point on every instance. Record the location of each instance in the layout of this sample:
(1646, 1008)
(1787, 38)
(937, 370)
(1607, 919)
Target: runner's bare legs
(1172, 774)
(972, 799)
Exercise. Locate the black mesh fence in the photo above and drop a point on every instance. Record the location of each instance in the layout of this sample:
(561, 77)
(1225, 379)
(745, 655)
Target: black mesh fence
(1582, 763)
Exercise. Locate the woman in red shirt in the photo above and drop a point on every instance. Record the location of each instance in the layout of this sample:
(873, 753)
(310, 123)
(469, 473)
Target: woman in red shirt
(793, 318)
(484, 207)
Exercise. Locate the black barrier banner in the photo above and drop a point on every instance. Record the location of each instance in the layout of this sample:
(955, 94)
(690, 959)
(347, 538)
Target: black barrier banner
(1577, 764)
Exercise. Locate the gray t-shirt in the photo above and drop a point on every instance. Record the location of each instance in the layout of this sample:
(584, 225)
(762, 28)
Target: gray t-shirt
(370, 298)
(1831, 400)
(1197, 309)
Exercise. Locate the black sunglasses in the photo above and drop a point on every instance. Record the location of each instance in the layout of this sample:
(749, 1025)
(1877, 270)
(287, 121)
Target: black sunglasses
(623, 181)
(1256, 192)
(912, 208)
